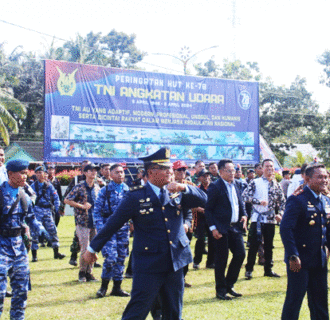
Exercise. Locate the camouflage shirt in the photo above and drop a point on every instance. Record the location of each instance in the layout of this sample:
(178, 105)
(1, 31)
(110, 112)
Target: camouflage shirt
(262, 190)
(79, 195)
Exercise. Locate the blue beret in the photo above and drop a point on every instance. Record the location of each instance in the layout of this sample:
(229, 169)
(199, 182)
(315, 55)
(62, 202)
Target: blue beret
(17, 165)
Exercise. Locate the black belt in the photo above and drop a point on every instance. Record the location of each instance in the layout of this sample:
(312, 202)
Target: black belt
(9, 233)
(233, 224)
(45, 206)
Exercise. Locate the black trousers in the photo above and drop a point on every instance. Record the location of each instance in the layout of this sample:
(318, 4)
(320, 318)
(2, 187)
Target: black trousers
(268, 232)
(202, 229)
(314, 281)
(186, 268)
(147, 287)
(232, 241)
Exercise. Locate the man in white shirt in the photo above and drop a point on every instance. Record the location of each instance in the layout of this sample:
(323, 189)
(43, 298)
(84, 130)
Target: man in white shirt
(266, 195)
(297, 180)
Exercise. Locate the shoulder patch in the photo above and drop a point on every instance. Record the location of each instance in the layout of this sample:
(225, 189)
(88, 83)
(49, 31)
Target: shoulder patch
(134, 188)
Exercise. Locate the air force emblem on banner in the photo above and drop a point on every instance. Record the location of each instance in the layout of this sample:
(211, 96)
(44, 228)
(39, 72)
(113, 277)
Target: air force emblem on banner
(66, 83)
(244, 100)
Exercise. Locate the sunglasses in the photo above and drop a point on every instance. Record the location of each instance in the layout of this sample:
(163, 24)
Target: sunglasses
(182, 169)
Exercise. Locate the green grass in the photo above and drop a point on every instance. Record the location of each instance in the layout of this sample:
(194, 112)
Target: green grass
(57, 294)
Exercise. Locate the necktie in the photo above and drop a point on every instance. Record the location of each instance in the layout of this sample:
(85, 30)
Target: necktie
(320, 203)
(162, 196)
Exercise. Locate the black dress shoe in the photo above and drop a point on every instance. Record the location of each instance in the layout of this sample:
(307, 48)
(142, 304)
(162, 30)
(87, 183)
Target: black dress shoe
(234, 293)
(222, 296)
(271, 274)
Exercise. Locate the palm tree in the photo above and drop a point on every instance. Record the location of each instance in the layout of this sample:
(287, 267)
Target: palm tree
(11, 109)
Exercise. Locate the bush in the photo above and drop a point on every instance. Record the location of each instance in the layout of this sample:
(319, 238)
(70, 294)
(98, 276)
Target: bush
(66, 176)
(278, 177)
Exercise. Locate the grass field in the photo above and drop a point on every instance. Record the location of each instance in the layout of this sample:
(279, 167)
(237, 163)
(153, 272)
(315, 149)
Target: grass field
(57, 294)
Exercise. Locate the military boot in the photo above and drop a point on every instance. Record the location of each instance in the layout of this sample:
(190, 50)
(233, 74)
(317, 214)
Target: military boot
(58, 255)
(34, 256)
(73, 259)
(117, 290)
(103, 290)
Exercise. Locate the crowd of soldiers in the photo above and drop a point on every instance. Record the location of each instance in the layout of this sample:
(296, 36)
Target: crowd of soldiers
(163, 208)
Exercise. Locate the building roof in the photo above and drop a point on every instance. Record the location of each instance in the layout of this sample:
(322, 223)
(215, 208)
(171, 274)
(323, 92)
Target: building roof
(28, 150)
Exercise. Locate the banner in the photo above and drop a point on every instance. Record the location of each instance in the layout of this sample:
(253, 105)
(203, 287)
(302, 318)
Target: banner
(267, 153)
(109, 114)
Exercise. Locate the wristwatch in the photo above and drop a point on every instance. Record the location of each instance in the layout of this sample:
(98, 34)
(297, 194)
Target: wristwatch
(293, 258)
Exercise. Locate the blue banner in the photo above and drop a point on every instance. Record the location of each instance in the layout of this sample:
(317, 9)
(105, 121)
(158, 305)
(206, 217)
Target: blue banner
(108, 114)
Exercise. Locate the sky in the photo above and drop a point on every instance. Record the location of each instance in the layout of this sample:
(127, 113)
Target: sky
(284, 36)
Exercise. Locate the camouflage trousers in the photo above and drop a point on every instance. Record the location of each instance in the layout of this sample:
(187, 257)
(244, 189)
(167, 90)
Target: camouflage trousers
(75, 247)
(114, 252)
(17, 268)
(46, 218)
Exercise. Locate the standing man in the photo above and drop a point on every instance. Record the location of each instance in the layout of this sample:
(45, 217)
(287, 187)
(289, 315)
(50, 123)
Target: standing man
(204, 178)
(226, 217)
(82, 198)
(74, 248)
(46, 201)
(16, 209)
(213, 168)
(140, 178)
(239, 174)
(3, 171)
(259, 170)
(305, 232)
(51, 169)
(285, 182)
(250, 175)
(115, 251)
(297, 181)
(180, 170)
(161, 248)
(105, 174)
(266, 195)
(248, 206)
(199, 166)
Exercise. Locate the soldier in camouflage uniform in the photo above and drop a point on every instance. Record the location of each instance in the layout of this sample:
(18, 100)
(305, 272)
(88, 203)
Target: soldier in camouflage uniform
(46, 196)
(116, 250)
(15, 209)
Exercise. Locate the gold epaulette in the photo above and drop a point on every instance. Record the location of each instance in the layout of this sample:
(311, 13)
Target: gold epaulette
(136, 188)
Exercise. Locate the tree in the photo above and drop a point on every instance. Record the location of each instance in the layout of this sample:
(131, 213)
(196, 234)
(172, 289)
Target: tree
(116, 49)
(324, 60)
(30, 90)
(284, 111)
(320, 137)
(299, 160)
(230, 70)
(11, 109)
(210, 69)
